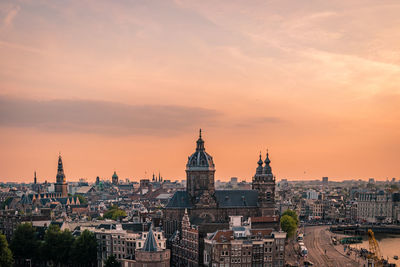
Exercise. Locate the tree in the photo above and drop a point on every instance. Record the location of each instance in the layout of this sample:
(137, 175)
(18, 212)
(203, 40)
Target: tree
(112, 262)
(6, 258)
(288, 224)
(84, 250)
(57, 245)
(114, 213)
(24, 243)
(292, 214)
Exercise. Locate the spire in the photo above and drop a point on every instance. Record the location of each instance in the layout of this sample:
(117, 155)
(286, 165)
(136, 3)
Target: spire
(150, 245)
(259, 169)
(267, 167)
(60, 170)
(34, 179)
(260, 162)
(200, 143)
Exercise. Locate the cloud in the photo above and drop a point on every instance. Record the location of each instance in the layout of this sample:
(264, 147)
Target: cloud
(9, 15)
(101, 117)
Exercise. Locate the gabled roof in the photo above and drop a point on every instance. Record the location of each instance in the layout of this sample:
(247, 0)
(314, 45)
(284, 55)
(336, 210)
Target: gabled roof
(236, 198)
(179, 200)
(225, 199)
(85, 189)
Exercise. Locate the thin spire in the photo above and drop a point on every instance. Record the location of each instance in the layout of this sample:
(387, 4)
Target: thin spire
(267, 167)
(260, 162)
(200, 142)
(60, 170)
(259, 169)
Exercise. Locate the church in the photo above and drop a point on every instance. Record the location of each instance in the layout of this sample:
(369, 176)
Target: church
(209, 208)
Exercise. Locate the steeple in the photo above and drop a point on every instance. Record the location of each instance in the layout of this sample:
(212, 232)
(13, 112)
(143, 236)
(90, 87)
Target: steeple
(150, 245)
(200, 143)
(267, 167)
(259, 169)
(60, 187)
(60, 171)
(114, 178)
(34, 179)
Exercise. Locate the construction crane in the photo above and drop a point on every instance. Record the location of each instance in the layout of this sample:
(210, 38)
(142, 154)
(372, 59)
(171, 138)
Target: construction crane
(375, 252)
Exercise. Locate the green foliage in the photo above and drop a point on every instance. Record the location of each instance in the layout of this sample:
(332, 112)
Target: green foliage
(82, 199)
(112, 262)
(114, 213)
(24, 243)
(84, 250)
(288, 224)
(6, 258)
(292, 214)
(57, 245)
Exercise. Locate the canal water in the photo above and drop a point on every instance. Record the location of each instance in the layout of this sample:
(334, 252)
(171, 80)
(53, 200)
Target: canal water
(388, 244)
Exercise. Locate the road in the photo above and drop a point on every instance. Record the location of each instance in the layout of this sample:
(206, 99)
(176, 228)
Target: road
(321, 251)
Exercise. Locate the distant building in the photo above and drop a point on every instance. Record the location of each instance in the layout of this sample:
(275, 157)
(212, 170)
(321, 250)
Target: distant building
(115, 178)
(61, 186)
(312, 194)
(325, 180)
(375, 207)
(234, 181)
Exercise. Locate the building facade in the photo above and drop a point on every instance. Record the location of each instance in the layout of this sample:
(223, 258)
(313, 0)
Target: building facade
(209, 208)
(244, 247)
(375, 207)
(185, 245)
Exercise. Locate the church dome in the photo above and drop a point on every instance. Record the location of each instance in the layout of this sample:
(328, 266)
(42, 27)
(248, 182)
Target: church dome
(115, 176)
(200, 159)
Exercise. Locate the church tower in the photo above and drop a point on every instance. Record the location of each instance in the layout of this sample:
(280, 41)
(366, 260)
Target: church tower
(264, 183)
(61, 184)
(114, 178)
(200, 171)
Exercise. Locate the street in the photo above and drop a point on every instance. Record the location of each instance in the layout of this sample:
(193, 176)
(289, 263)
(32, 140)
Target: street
(321, 250)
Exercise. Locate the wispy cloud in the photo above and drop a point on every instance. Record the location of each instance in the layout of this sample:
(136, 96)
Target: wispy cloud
(102, 117)
(8, 15)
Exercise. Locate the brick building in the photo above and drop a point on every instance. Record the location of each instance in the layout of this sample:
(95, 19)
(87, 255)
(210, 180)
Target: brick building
(210, 209)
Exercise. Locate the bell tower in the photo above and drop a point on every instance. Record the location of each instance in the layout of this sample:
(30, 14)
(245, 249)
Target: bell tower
(264, 183)
(61, 185)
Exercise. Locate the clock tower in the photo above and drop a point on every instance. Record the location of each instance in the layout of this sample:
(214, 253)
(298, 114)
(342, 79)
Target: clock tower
(61, 185)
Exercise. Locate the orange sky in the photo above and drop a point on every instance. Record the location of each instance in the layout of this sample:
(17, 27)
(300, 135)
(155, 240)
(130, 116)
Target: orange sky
(125, 86)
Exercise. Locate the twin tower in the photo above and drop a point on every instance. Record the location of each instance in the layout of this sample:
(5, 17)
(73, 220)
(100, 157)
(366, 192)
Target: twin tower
(200, 170)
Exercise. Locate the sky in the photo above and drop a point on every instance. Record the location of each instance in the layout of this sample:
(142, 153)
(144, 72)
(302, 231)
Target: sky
(126, 85)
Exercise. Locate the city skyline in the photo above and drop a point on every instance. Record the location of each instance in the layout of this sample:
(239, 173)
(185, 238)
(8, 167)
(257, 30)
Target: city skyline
(125, 86)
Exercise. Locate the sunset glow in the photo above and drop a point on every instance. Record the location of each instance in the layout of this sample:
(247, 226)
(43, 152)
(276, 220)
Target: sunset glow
(126, 85)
